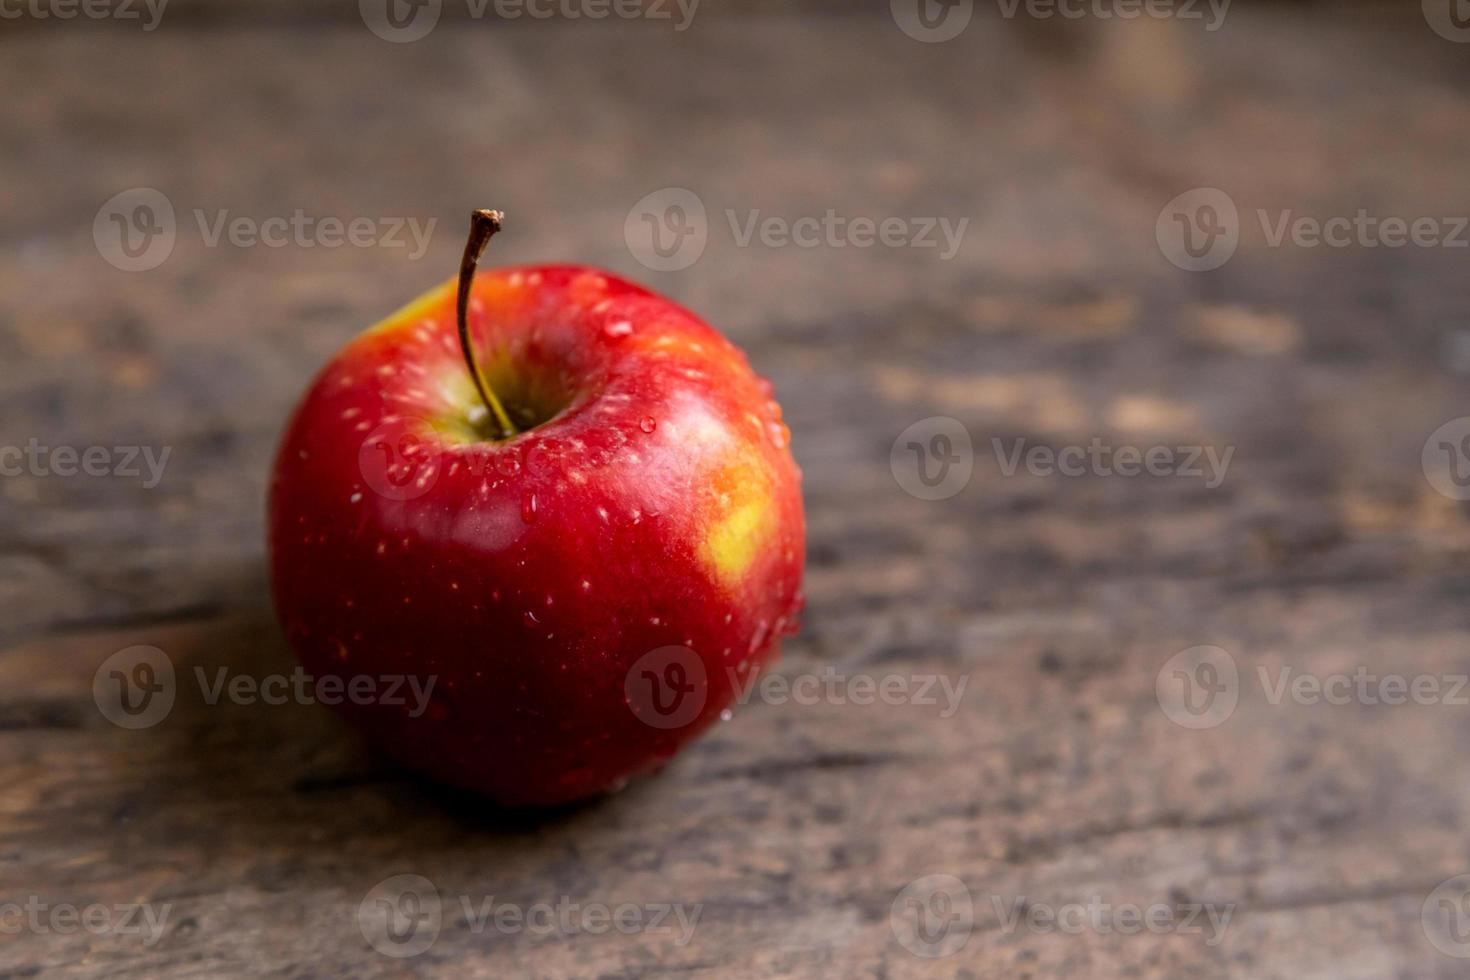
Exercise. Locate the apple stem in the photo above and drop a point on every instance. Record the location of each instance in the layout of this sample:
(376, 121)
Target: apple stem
(483, 225)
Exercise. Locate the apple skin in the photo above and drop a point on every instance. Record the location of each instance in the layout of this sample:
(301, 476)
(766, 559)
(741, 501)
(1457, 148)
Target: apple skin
(542, 581)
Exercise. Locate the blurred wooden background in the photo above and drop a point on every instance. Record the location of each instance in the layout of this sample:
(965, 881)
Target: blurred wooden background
(1058, 320)
(246, 12)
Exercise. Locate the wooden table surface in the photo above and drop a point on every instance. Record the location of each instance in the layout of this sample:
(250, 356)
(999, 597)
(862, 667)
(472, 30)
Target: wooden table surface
(254, 833)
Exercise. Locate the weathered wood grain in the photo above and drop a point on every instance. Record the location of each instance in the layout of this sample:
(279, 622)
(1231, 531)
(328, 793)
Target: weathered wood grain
(1056, 600)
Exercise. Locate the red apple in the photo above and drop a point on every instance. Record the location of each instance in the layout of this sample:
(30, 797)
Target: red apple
(586, 575)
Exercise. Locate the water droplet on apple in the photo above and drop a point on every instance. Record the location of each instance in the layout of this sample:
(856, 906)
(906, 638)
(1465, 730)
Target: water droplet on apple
(648, 424)
(759, 638)
(529, 618)
(528, 508)
(778, 433)
(617, 327)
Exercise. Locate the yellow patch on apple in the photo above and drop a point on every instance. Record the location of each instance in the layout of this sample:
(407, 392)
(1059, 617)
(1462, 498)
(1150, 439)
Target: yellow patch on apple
(736, 536)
